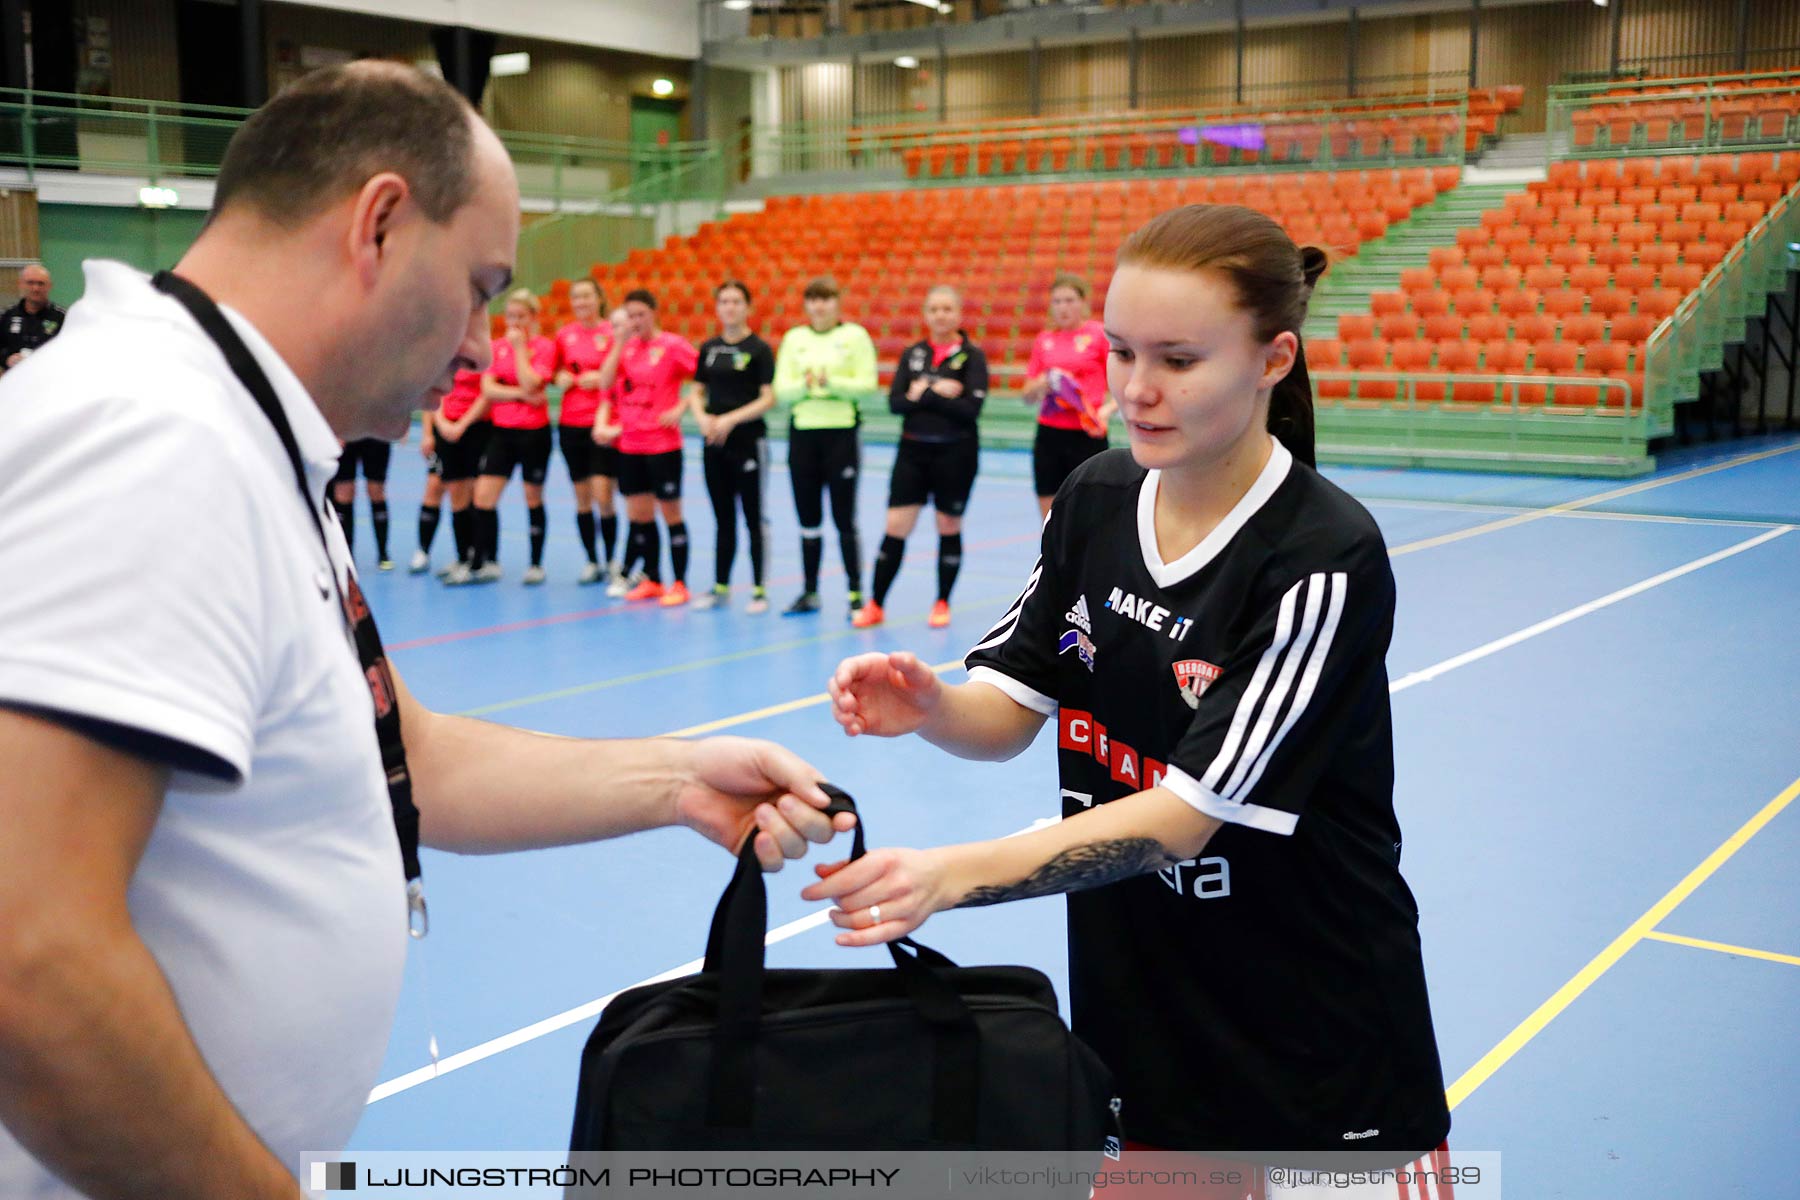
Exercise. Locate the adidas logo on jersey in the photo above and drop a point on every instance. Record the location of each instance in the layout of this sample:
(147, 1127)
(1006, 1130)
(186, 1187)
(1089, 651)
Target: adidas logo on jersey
(1078, 616)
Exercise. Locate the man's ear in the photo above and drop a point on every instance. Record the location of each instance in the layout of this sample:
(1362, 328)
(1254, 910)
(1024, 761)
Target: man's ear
(379, 205)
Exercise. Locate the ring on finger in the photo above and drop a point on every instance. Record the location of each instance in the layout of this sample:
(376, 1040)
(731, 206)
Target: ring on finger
(874, 915)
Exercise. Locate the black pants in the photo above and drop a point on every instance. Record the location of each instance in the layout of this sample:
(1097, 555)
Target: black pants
(825, 462)
(735, 473)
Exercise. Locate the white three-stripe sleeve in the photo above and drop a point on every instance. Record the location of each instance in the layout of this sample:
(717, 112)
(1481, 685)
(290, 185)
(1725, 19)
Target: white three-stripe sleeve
(1018, 655)
(1264, 731)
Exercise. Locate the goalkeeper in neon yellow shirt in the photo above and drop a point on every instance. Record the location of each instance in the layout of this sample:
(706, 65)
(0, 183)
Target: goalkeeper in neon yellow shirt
(822, 372)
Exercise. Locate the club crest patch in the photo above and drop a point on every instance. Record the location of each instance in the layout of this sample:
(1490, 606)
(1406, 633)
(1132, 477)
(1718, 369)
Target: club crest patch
(1193, 676)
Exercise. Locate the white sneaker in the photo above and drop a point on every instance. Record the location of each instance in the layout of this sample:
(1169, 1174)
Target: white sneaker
(489, 573)
(421, 563)
(712, 599)
(590, 574)
(457, 574)
(449, 568)
(624, 583)
(533, 576)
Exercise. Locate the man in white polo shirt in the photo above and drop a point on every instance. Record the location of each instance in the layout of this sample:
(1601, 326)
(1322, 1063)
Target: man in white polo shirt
(203, 913)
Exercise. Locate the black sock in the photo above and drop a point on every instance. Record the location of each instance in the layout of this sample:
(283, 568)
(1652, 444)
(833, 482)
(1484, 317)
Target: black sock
(812, 553)
(584, 521)
(759, 537)
(461, 524)
(851, 547)
(347, 522)
(429, 516)
(652, 551)
(484, 536)
(634, 546)
(678, 550)
(949, 562)
(609, 533)
(887, 565)
(536, 513)
(378, 511)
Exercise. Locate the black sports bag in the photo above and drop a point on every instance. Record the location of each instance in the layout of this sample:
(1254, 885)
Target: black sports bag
(925, 1055)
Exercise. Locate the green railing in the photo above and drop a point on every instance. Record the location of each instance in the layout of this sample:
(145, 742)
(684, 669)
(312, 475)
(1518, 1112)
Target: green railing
(1425, 130)
(1579, 424)
(1693, 338)
(158, 140)
(1761, 112)
(1600, 86)
(673, 201)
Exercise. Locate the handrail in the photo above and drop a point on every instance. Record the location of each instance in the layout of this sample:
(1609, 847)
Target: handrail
(1308, 136)
(167, 139)
(1629, 413)
(1569, 90)
(1674, 352)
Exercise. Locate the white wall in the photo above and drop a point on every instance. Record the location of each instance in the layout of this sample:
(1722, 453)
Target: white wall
(669, 27)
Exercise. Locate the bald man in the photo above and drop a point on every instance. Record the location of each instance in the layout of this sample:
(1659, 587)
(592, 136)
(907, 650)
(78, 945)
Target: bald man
(32, 321)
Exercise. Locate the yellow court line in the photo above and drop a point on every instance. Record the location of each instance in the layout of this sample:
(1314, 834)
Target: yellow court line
(1602, 962)
(775, 710)
(1723, 948)
(1572, 505)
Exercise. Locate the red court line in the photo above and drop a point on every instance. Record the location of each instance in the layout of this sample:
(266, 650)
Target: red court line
(441, 639)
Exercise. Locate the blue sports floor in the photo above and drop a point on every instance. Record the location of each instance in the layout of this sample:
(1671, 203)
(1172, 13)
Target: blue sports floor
(1595, 688)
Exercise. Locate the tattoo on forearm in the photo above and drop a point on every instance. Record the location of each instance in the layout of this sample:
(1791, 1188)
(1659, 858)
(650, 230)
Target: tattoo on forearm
(1078, 869)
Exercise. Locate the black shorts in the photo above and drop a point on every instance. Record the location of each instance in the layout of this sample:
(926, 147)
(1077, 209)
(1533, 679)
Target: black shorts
(585, 457)
(659, 474)
(371, 454)
(1057, 452)
(941, 472)
(461, 459)
(526, 449)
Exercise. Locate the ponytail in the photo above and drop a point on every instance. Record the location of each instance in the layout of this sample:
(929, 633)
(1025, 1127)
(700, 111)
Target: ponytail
(1291, 400)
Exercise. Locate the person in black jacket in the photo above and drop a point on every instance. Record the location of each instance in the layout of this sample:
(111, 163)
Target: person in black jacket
(938, 390)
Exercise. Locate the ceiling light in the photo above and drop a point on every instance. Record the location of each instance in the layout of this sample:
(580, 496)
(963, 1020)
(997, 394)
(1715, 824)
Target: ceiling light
(158, 197)
(738, 5)
(662, 87)
(906, 62)
(502, 65)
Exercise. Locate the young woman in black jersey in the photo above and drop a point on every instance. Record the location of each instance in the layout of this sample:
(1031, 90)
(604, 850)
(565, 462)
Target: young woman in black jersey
(372, 455)
(735, 377)
(938, 391)
(1208, 624)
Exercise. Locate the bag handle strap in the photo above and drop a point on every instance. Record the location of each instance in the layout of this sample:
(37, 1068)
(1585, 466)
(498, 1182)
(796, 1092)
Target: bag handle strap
(735, 952)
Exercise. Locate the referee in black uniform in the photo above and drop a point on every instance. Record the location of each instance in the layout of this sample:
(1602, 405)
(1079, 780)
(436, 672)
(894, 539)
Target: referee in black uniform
(938, 391)
(31, 322)
(736, 375)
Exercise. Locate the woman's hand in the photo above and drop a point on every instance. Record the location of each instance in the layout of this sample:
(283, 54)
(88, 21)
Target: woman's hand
(885, 695)
(884, 895)
(949, 389)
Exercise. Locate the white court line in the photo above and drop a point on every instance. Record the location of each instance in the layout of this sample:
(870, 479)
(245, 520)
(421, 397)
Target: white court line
(1579, 611)
(591, 1009)
(1573, 515)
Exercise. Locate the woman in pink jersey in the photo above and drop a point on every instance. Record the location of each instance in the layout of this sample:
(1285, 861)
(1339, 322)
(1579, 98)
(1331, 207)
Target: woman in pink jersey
(1067, 377)
(452, 440)
(582, 347)
(524, 362)
(645, 372)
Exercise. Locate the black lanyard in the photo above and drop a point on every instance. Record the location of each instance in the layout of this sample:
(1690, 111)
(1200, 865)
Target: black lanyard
(356, 610)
